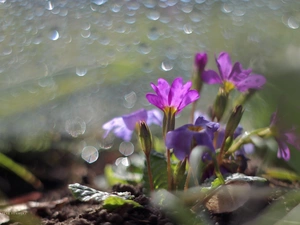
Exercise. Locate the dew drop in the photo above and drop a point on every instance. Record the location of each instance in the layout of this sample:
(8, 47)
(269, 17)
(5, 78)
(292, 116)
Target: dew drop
(292, 23)
(144, 49)
(130, 99)
(153, 34)
(81, 71)
(75, 127)
(153, 15)
(122, 161)
(53, 35)
(107, 142)
(99, 2)
(49, 5)
(90, 154)
(187, 29)
(126, 148)
(166, 65)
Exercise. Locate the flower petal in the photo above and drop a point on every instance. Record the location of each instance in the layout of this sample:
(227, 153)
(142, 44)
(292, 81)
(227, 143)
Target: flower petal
(224, 65)
(154, 116)
(292, 138)
(110, 125)
(177, 91)
(211, 77)
(155, 100)
(189, 97)
(131, 119)
(180, 141)
(283, 150)
(254, 81)
(238, 74)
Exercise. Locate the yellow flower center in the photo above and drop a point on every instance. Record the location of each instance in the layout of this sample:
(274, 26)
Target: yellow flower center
(195, 128)
(228, 86)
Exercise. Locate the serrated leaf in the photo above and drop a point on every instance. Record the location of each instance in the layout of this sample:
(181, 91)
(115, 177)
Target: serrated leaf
(243, 177)
(158, 166)
(84, 193)
(114, 202)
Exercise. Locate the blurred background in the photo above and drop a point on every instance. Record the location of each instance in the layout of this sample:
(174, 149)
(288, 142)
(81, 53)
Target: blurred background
(68, 66)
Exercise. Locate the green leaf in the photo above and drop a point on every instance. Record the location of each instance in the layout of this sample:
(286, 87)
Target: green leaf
(84, 193)
(158, 166)
(216, 183)
(175, 208)
(114, 202)
(284, 210)
(281, 174)
(114, 177)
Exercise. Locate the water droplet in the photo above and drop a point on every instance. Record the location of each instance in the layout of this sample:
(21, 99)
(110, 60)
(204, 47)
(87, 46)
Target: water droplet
(153, 34)
(2, 1)
(107, 142)
(99, 2)
(143, 48)
(292, 23)
(49, 5)
(200, 1)
(130, 99)
(85, 33)
(167, 65)
(187, 8)
(122, 161)
(187, 28)
(7, 50)
(227, 8)
(90, 154)
(81, 71)
(126, 148)
(153, 15)
(116, 8)
(75, 127)
(53, 35)
(149, 3)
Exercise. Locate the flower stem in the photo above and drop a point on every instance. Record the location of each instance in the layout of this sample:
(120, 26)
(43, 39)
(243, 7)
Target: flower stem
(149, 172)
(263, 133)
(193, 112)
(169, 171)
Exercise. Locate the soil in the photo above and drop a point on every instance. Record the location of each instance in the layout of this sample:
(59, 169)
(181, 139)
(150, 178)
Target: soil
(55, 205)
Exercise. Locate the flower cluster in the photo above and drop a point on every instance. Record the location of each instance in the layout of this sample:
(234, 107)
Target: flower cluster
(223, 140)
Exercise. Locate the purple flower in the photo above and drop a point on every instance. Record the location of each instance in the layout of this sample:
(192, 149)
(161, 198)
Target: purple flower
(233, 76)
(177, 96)
(124, 126)
(283, 136)
(200, 60)
(185, 138)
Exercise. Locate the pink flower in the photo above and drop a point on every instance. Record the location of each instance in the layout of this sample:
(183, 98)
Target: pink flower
(233, 76)
(282, 136)
(177, 96)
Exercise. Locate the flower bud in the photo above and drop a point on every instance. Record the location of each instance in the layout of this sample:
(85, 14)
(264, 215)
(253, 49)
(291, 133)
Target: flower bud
(199, 65)
(234, 120)
(220, 104)
(145, 137)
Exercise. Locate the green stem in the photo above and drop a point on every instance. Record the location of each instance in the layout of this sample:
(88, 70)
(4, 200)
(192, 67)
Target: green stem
(20, 171)
(169, 171)
(263, 133)
(217, 171)
(149, 173)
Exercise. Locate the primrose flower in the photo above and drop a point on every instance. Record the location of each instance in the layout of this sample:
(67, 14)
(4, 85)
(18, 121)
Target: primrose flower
(200, 61)
(283, 136)
(185, 138)
(232, 76)
(124, 126)
(174, 97)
